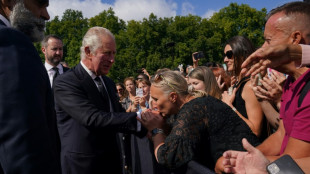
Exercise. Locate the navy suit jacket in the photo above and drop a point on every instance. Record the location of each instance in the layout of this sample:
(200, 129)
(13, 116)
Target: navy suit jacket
(88, 130)
(28, 131)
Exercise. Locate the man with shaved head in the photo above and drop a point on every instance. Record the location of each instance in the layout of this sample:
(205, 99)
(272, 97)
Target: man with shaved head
(28, 133)
(287, 24)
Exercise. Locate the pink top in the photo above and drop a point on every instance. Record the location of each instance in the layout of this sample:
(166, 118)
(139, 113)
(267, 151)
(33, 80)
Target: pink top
(305, 55)
(296, 119)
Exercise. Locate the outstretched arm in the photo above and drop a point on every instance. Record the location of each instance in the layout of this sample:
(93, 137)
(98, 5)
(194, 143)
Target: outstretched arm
(272, 57)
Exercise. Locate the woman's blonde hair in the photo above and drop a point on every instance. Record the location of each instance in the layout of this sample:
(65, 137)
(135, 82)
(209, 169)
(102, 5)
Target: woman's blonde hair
(170, 81)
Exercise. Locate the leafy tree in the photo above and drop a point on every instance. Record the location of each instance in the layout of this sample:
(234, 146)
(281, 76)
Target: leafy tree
(155, 43)
(235, 20)
(108, 20)
(71, 28)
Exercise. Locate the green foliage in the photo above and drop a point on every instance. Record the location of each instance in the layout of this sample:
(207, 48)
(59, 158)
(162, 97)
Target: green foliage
(108, 20)
(71, 28)
(154, 42)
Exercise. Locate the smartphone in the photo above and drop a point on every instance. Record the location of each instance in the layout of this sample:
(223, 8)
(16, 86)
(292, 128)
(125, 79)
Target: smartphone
(199, 55)
(269, 72)
(139, 92)
(284, 165)
(230, 90)
(258, 83)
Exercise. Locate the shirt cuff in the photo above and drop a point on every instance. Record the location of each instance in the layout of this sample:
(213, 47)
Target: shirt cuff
(138, 122)
(305, 59)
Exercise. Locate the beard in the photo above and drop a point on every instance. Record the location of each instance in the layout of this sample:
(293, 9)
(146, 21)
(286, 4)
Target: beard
(23, 20)
(53, 60)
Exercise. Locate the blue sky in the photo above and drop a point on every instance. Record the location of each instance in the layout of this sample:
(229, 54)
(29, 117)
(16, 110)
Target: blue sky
(139, 9)
(201, 6)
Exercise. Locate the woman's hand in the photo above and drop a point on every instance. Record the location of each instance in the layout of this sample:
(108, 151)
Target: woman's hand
(151, 120)
(136, 101)
(132, 108)
(145, 72)
(195, 62)
(219, 82)
(233, 80)
(270, 89)
(142, 102)
(278, 77)
(229, 99)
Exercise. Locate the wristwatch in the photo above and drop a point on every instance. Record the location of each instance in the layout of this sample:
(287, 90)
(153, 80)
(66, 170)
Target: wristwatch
(157, 131)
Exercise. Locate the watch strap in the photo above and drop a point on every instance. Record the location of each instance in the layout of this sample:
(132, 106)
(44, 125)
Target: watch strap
(157, 131)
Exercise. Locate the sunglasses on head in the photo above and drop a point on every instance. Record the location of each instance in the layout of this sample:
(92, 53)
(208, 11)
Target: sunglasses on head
(229, 54)
(160, 77)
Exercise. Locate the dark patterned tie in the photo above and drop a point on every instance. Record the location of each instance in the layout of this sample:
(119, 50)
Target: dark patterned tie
(56, 74)
(102, 90)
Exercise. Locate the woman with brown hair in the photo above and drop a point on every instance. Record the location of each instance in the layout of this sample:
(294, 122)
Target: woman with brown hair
(121, 92)
(130, 102)
(243, 100)
(202, 78)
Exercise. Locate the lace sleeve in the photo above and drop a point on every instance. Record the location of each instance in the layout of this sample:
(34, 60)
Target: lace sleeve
(184, 139)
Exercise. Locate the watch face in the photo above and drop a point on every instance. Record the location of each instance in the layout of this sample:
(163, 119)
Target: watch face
(157, 131)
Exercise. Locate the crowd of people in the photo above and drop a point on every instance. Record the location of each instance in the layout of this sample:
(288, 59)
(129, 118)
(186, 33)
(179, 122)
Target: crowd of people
(238, 119)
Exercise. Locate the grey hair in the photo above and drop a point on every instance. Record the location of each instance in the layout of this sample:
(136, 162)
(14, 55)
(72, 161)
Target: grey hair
(92, 39)
(174, 82)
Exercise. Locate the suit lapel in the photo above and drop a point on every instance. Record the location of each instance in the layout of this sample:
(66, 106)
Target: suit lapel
(90, 87)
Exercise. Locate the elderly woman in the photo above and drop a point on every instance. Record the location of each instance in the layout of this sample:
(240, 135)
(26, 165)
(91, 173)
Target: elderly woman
(191, 126)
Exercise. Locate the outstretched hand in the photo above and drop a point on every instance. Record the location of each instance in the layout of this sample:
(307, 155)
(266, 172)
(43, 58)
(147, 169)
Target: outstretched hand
(271, 57)
(252, 161)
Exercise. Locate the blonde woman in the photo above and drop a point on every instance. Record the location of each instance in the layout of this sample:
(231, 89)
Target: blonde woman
(191, 125)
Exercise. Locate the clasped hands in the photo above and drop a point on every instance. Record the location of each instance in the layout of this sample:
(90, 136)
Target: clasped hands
(151, 119)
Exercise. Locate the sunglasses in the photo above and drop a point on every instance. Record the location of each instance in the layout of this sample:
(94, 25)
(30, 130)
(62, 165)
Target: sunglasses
(229, 54)
(120, 89)
(160, 77)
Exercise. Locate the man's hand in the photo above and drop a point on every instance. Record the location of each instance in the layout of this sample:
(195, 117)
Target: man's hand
(271, 57)
(252, 161)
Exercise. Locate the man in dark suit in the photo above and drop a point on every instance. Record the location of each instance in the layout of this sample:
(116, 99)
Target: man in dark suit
(90, 115)
(28, 132)
(52, 48)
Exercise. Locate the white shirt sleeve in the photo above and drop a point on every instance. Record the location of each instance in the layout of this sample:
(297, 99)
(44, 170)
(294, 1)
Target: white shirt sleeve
(305, 60)
(138, 122)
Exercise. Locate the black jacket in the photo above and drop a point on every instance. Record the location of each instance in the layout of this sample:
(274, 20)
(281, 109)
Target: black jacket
(88, 130)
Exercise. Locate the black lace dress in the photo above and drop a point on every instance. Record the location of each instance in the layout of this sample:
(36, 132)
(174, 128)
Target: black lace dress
(203, 129)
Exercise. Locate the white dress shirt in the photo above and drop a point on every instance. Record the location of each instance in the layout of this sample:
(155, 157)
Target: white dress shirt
(5, 21)
(51, 72)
